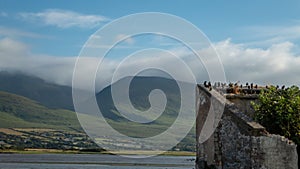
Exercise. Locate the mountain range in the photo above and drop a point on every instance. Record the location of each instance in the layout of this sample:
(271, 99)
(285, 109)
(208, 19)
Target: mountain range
(30, 102)
(48, 94)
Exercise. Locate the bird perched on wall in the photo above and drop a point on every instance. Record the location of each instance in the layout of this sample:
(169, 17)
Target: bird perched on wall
(205, 84)
(209, 86)
(215, 85)
(251, 85)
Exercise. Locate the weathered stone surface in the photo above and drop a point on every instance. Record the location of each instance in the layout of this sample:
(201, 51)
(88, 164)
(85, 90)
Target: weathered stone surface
(243, 102)
(279, 152)
(238, 142)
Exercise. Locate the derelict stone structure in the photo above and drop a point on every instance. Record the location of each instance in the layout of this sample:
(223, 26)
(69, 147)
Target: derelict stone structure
(238, 142)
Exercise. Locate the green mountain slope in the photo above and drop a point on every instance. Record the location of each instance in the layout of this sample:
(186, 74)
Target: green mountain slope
(32, 109)
(140, 88)
(139, 91)
(18, 111)
(48, 94)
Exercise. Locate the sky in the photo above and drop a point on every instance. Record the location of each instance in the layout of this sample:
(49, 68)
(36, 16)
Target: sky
(257, 41)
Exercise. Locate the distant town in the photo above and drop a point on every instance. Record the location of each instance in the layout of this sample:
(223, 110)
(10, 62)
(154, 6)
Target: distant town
(22, 139)
(38, 139)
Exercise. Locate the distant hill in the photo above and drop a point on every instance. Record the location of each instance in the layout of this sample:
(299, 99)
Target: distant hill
(60, 97)
(139, 91)
(140, 88)
(27, 101)
(20, 112)
(48, 94)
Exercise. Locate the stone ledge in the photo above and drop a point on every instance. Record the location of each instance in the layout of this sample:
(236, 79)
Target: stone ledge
(244, 122)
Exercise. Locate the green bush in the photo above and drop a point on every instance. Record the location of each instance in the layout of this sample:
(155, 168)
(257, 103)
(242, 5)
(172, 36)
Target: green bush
(279, 111)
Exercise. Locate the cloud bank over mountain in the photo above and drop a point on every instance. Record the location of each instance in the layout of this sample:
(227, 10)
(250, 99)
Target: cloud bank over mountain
(276, 64)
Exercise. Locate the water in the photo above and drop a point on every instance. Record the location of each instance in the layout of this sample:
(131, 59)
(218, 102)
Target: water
(92, 161)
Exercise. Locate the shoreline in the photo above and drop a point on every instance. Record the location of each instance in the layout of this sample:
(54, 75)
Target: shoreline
(57, 151)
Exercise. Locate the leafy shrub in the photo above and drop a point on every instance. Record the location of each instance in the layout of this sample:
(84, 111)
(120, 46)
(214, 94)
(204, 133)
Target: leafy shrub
(279, 111)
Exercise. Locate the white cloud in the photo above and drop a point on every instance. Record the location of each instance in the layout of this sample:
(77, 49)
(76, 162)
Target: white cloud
(276, 64)
(16, 56)
(12, 49)
(96, 41)
(64, 18)
(11, 32)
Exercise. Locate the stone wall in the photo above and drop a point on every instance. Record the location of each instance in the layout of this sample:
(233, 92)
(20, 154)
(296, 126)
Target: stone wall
(243, 102)
(238, 142)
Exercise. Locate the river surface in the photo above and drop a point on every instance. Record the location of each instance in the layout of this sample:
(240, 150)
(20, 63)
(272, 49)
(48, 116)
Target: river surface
(92, 161)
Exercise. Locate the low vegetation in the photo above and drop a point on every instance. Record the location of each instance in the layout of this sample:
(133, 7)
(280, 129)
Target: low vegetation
(279, 111)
